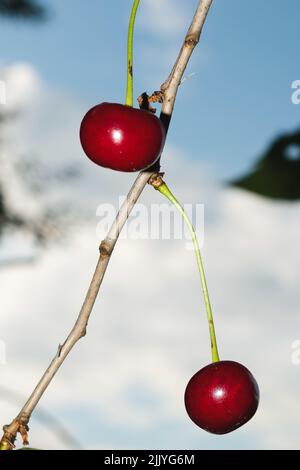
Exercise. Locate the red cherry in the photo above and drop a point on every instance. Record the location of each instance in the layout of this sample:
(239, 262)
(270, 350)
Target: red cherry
(221, 397)
(122, 138)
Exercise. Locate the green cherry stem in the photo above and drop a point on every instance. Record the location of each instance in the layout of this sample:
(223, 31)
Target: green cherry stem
(129, 89)
(163, 189)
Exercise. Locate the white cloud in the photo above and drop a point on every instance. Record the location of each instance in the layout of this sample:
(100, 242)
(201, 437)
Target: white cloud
(164, 17)
(123, 385)
(22, 85)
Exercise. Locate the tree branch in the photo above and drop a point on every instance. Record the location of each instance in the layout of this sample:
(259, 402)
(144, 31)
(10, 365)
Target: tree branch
(169, 90)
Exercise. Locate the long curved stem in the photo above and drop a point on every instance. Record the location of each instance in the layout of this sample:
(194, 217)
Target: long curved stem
(163, 189)
(129, 89)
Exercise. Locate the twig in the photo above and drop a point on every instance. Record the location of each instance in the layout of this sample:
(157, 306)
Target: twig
(169, 89)
(46, 419)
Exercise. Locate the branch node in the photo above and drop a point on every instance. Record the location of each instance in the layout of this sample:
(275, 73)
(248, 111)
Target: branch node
(191, 41)
(19, 425)
(156, 180)
(83, 332)
(105, 248)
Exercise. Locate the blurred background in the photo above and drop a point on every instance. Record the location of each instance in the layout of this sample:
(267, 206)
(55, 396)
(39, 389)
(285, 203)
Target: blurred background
(233, 146)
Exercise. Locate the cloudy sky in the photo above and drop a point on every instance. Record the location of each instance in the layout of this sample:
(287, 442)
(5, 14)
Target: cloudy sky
(123, 385)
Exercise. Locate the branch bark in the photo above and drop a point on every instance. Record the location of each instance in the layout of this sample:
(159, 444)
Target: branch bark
(169, 90)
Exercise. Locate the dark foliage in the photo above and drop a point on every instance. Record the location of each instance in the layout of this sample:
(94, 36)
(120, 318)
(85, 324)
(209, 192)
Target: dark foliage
(22, 8)
(277, 173)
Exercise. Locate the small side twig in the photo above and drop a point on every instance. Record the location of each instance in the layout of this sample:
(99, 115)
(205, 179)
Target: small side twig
(145, 100)
(169, 92)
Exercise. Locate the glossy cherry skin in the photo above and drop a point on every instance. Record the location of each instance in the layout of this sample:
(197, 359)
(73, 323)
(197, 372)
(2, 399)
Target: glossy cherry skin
(221, 397)
(122, 138)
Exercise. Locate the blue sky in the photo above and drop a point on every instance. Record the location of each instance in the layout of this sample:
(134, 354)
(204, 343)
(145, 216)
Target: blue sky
(244, 67)
(123, 385)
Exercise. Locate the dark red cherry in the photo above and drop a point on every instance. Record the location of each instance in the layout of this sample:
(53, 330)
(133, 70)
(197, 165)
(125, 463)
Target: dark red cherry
(221, 397)
(122, 138)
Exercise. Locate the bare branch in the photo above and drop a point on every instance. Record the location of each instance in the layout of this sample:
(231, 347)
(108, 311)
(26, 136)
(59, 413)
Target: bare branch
(169, 89)
(170, 86)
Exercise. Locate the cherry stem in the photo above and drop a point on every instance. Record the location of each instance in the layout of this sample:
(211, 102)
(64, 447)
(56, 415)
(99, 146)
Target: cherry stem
(163, 189)
(129, 89)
